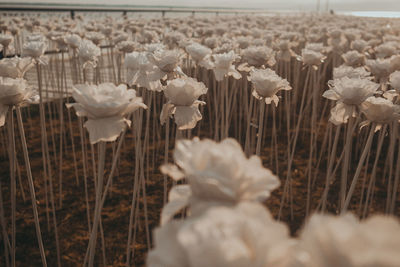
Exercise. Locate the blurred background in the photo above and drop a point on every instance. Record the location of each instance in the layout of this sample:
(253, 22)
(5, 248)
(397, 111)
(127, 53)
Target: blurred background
(384, 8)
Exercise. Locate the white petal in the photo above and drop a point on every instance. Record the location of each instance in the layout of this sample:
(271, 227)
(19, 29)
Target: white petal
(341, 113)
(166, 111)
(331, 94)
(3, 114)
(105, 129)
(79, 110)
(187, 117)
(173, 171)
(178, 199)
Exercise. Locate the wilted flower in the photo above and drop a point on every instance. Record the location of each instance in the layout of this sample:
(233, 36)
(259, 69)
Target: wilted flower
(14, 92)
(266, 84)
(349, 93)
(223, 66)
(182, 95)
(245, 235)
(106, 107)
(15, 67)
(88, 52)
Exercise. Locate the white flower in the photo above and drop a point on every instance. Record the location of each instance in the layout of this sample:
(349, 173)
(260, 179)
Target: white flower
(259, 56)
(330, 241)
(35, 50)
(167, 60)
(311, 57)
(200, 54)
(5, 39)
(394, 80)
(245, 235)
(349, 93)
(35, 37)
(217, 174)
(13, 92)
(380, 111)
(95, 37)
(344, 241)
(359, 45)
(380, 68)
(15, 67)
(394, 63)
(350, 72)
(127, 46)
(182, 95)
(386, 50)
(73, 40)
(106, 107)
(154, 47)
(223, 66)
(142, 72)
(88, 52)
(353, 58)
(266, 84)
(285, 52)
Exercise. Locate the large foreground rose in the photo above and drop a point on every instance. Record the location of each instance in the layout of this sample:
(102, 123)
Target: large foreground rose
(216, 173)
(245, 235)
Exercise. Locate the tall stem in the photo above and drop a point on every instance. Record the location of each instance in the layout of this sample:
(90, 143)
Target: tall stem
(260, 128)
(31, 186)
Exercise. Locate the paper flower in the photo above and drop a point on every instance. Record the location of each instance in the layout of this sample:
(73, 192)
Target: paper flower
(182, 95)
(106, 107)
(15, 67)
(88, 53)
(266, 84)
(223, 66)
(14, 92)
(349, 93)
(380, 111)
(142, 72)
(35, 50)
(217, 174)
(245, 235)
(200, 54)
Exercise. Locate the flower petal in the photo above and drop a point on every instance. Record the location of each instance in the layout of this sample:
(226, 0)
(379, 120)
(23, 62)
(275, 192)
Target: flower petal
(179, 196)
(187, 117)
(3, 114)
(105, 129)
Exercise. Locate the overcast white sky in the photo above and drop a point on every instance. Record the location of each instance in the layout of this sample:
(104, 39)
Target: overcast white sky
(344, 5)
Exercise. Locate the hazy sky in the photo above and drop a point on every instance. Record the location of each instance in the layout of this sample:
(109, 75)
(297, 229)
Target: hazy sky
(348, 5)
